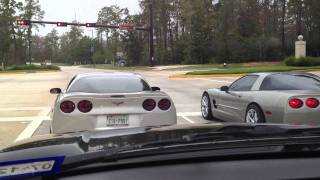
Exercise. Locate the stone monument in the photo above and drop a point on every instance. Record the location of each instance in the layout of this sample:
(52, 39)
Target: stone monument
(300, 47)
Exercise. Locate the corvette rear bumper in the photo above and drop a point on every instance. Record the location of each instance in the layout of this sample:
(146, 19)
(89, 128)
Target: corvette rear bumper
(70, 123)
(311, 118)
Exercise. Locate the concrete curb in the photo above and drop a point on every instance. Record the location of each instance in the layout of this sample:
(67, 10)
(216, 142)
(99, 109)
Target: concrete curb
(11, 73)
(177, 76)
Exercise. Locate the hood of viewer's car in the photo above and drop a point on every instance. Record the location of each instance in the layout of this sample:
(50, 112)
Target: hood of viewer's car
(73, 144)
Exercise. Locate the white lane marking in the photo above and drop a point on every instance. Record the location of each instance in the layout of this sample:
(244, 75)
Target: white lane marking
(214, 80)
(189, 120)
(189, 114)
(16, 119)
(33, 126)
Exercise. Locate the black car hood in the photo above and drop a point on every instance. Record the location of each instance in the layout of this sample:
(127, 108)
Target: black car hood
(74, 144)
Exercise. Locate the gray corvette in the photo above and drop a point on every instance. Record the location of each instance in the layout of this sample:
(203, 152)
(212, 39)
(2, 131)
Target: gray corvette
(291, 98)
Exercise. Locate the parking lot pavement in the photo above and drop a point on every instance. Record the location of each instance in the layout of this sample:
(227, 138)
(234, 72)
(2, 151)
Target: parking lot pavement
(10, 130)
(26, 100)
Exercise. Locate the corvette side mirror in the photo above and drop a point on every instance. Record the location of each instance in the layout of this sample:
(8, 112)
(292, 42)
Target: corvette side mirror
(55, 91)
(155, 88)
(224, 88)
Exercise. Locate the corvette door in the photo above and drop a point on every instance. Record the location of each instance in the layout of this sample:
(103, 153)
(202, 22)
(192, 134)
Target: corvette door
(233, 103)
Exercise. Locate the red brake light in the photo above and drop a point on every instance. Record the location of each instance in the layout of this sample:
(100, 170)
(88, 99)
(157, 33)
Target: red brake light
(312, 102)
(149, 104)
(84, 106)
(164, 104)
(67, 106)
(295, 103)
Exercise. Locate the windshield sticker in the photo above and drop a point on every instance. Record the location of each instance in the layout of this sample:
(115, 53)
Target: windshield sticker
(30, 167)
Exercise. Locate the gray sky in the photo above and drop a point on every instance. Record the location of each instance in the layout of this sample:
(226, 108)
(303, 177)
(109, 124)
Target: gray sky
(83, 10)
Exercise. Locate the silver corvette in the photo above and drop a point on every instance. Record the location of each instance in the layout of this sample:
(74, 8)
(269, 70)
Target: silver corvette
(96, 101)
(290, 98)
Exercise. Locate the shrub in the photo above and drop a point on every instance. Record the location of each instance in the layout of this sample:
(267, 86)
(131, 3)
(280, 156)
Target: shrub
(290, 61)
(34, 67)
(302, 62)
(52, 67)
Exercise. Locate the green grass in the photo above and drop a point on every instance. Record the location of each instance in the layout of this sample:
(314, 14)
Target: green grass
(198, 66)
(109, 66)
(241, 70)
(32, 67)
(209, 66)
(208, 69)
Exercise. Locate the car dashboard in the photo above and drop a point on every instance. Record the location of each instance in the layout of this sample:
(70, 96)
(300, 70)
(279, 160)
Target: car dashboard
(226, 168)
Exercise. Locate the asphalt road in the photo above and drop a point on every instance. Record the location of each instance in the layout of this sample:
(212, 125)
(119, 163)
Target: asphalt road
(26, 102)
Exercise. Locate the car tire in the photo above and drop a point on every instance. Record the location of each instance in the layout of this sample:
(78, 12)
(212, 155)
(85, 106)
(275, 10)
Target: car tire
(254, 114)
(206, 110)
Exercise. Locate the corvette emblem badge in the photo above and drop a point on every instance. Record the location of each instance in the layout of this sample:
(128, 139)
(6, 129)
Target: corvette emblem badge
(117, 103)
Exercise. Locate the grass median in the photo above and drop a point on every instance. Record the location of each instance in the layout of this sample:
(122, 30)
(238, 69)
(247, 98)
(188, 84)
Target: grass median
(253, 69)
(110, 66)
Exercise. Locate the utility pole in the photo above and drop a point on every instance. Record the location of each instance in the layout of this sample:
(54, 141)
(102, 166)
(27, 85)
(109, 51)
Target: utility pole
(151, 49)
(92, 49)
(283, 28)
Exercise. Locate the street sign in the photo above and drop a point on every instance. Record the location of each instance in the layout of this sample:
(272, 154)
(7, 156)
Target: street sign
(128, 27)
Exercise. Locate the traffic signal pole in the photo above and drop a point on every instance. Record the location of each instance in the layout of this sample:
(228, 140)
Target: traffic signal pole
(151, 48)
(23, 22)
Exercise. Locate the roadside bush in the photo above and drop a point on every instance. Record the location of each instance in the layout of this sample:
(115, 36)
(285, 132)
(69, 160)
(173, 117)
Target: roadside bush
(34, 67)
(302, 62)
(98, 57)
(52, 67)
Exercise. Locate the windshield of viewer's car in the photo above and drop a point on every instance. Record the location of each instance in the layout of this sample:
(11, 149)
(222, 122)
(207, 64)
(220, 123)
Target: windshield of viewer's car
(91, 66)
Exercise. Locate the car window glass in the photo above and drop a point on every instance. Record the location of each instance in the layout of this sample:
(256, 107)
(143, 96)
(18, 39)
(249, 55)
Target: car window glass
(290, 82)
(100, 84)
(74, 77)
(244, 84)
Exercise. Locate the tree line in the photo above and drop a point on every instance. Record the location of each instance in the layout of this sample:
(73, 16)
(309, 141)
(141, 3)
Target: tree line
(15, 42)
(206, 31)
(185, 32)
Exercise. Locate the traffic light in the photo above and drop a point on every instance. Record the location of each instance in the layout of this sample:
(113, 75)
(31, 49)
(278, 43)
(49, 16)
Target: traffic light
(91, 24)
(23, 22)
(60, 24)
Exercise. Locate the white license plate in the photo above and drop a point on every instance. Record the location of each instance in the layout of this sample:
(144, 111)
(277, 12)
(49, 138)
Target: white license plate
(117, 120)
(26, 168)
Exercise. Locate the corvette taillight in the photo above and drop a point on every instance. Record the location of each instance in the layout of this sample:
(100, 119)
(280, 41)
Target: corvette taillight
(295, 103)
(149, 104)
(84, 106)
(164, 104)
(312, 102)
(67, 106)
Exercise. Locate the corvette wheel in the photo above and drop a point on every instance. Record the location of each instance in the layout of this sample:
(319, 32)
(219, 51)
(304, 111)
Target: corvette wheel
(206, 107)
(254, 115)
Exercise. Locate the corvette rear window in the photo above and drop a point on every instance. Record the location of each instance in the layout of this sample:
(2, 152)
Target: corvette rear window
(109, 85)
(290, 82)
